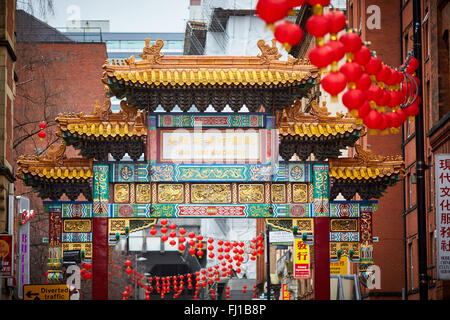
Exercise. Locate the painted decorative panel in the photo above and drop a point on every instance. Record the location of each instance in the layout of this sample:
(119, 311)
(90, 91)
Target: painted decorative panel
(211, 173)
(100, 190)
(344, 236)
(300, 210)
(225, 121)
(320, 190)
(344, 210)
(77, 237)
(76, 210)
(171, 172)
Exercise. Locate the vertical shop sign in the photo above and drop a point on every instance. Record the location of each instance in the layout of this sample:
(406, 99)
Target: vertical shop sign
(301, 260)
(442, 187)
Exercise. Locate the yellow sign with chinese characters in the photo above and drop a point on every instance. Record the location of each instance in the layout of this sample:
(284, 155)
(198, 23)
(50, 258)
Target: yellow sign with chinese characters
(340, 267)
(301, 260)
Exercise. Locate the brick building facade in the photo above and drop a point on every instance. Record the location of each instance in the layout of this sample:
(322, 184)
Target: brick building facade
(55, 75)
(388, 25)
(7, 97)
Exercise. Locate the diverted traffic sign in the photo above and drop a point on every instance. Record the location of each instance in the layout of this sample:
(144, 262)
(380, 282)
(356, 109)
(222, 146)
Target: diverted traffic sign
(46, 292)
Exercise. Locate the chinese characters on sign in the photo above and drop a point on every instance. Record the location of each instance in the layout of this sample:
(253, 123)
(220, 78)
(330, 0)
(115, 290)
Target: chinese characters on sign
(442, 181)
(301, 260)
(6, 256)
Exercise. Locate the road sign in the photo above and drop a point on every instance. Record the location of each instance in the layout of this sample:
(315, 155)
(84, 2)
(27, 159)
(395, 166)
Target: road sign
(46, 292)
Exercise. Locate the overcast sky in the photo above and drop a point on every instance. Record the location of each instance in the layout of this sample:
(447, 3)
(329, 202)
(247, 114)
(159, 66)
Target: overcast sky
(124, 16)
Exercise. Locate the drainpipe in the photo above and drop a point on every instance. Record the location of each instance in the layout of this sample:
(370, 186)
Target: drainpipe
(403, 182)
(420, 161)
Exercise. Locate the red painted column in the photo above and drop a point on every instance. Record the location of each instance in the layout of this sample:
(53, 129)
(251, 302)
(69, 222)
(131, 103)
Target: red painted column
(322, 258)
(100, 258)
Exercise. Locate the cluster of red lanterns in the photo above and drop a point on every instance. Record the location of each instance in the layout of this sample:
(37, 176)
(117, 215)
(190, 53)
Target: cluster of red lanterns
(196, 245)
(379, 96)
(372, 86)
(256, 247)
(85, 272)
(273, 11)
(42, 134)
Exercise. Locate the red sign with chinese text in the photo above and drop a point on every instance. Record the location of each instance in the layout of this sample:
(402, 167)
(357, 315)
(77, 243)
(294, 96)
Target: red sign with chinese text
(442, 189)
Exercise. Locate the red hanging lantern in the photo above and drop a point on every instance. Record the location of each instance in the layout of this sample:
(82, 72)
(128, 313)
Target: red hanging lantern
(289, 34)
(337, 20)
(413, 64)
(374, 93)
(362, 56)
(384, 74)
(353, 99)
(321, 56)
(42, 125)
(322, 3)
(172, 243)
(364, 82)
(41, 135)
(352, 42)
(164, 238)
(272, 11)
(163, 222)
(412, 110)
(182, 231)
(338, 49)
(128, 263)
(295, 3)
(153, 231)
(352, 71)
(318, 25)
(373, 121)
(334, 83)
(373, 66)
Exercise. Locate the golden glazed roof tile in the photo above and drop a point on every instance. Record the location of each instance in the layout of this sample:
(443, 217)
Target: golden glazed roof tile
(159, 70)
(54, 166)
(129, 122)
(366, 166)
(318, 123)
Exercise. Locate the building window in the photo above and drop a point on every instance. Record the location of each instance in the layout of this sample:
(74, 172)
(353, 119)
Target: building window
(411, 265)
(426, 35)
(431, 255)
(409, 186)
(430, 181)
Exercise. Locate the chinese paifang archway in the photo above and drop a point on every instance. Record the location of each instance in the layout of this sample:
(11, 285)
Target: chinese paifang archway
(183, 176)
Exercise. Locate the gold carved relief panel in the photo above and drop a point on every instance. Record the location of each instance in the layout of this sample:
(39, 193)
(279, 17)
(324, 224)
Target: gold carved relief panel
(251, 193)
(278, 193)
(143, 193)
(303, 224)
(121, 192)
(77, 225)
(170, 193)
(211, 193)
(344, 225)
(299, 192)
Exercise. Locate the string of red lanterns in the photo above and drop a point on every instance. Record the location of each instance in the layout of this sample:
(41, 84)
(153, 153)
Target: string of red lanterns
(380, 96)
